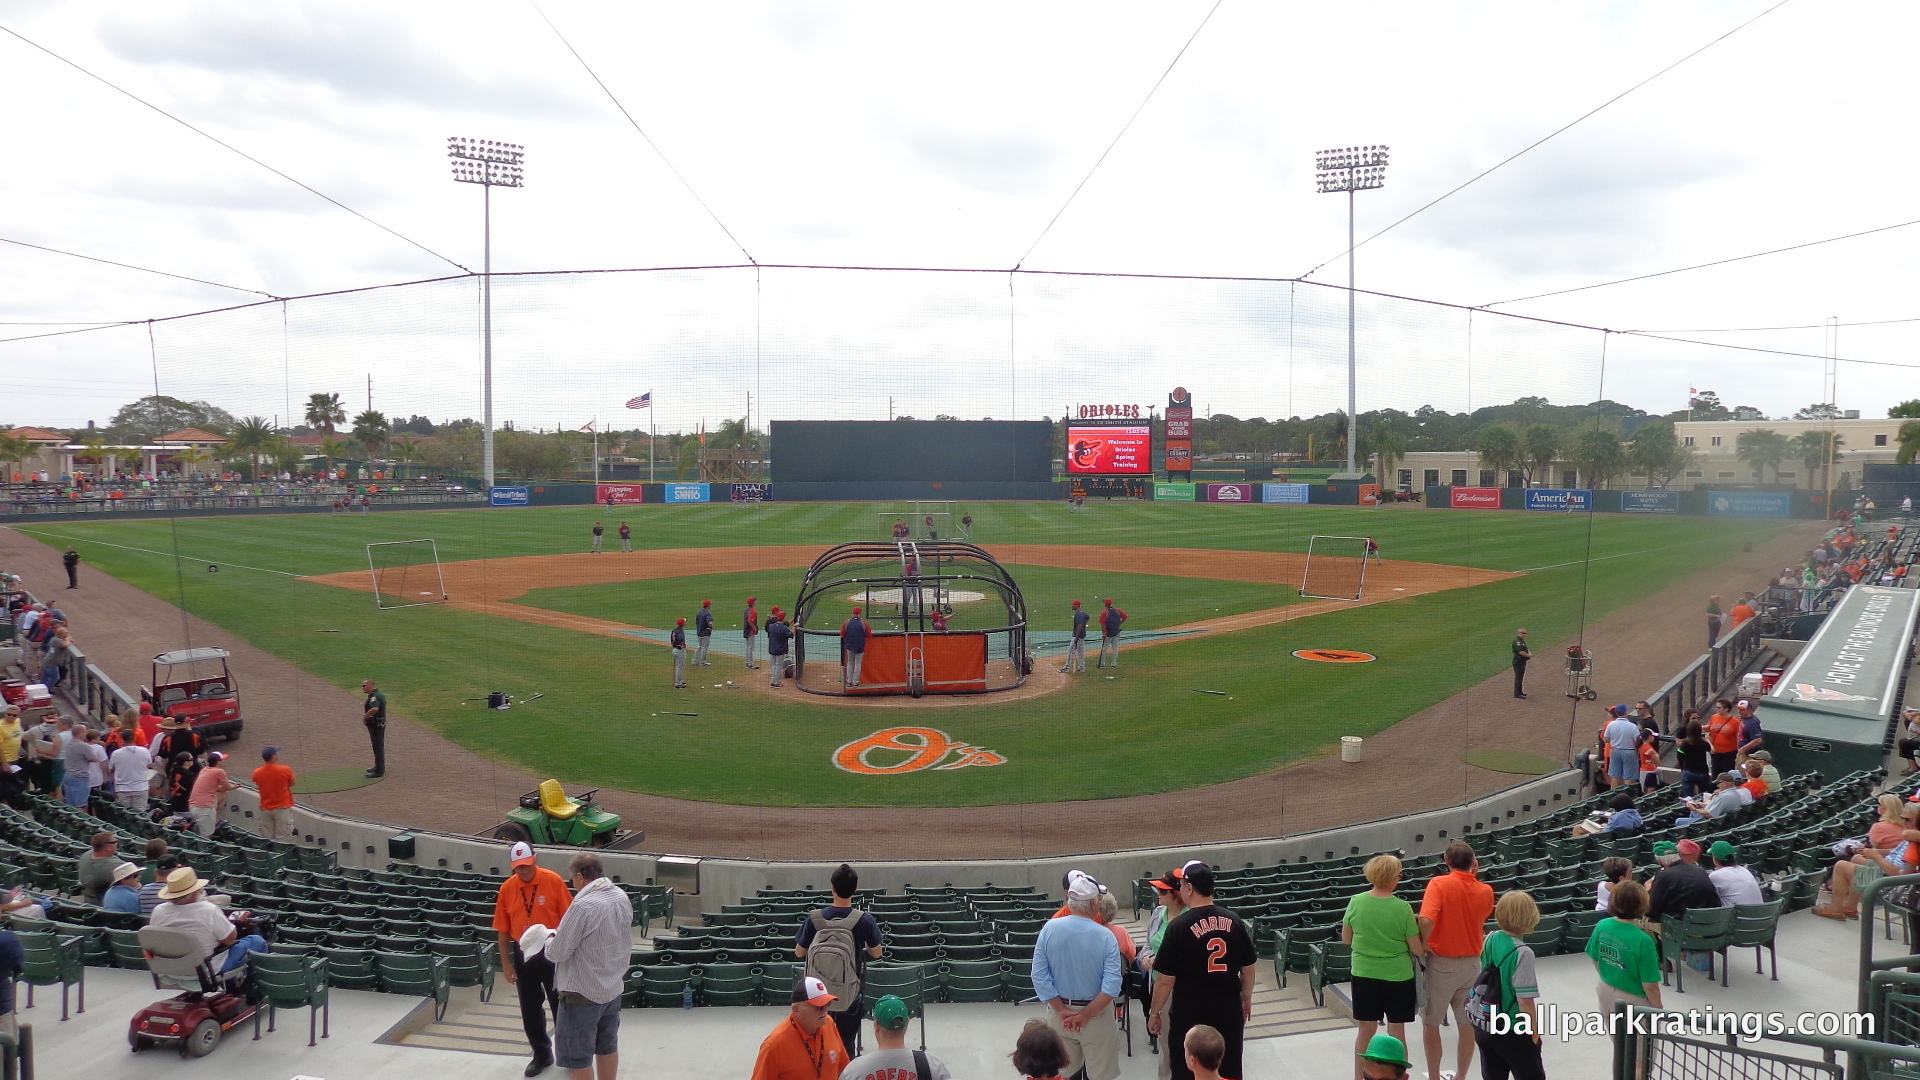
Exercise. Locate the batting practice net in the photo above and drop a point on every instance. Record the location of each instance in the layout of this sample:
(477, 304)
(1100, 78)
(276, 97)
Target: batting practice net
(406, 573)
(1336, 568)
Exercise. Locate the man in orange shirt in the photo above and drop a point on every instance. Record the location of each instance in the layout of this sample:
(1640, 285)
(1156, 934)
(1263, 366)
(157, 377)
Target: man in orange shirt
(1453, 914)
(1723, 735)
(1741, 611)
(531, 895)
(805, 1046)
(275, 784)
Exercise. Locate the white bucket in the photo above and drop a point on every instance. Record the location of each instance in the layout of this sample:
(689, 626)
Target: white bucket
(1750, 683)
(1349, 748)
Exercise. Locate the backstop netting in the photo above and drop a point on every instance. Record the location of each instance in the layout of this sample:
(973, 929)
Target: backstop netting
(721, 355)
(1336, 568)
(406, 573)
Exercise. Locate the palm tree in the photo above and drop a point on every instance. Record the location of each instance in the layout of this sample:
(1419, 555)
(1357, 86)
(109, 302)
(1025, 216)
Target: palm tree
(371, 430)
(14, 451)
(1499, 448)
(1389, 448)
(1539, 446)
(1597, 453)
(285, 456)
(249, 439)
(331, 448)
(95, 448)
(190, 458)
(1656, 451)
(406, 447)
(325, 410)
(1908, 439)
(1814, 448)
(1762, 448)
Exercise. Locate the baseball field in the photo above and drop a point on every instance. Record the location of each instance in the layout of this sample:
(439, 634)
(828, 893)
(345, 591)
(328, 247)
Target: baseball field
(1211, 592)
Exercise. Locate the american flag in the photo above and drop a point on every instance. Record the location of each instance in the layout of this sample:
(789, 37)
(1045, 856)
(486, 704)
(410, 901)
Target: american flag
(644, 401)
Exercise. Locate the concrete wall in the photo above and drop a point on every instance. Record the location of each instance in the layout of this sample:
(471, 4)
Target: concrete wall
(704, 884)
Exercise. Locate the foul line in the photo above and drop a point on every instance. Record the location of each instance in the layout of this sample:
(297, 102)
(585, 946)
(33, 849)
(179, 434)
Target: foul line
(1622, 555)
(150, 551)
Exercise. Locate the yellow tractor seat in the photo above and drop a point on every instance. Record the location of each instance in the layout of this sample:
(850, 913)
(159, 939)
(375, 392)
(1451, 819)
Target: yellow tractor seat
(553, 800)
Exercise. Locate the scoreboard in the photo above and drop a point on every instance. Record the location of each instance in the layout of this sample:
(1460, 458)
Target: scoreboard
(1109, 450)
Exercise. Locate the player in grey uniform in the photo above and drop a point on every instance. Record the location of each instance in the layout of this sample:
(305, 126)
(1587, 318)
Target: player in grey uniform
(599, 534)
(1110, 619)
(678, 639)
(703, 633)
(1077, 650)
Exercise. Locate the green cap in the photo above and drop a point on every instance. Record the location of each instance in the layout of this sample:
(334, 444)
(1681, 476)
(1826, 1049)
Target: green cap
(1387, 1050)
(1665, 847)
(1723, 850)
(891, 1013)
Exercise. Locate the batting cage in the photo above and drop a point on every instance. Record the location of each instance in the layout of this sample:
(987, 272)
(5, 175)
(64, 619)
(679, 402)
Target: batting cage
(944, 618)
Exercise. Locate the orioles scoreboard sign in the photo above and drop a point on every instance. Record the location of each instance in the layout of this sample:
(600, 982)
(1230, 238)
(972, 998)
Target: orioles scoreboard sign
(899, 750)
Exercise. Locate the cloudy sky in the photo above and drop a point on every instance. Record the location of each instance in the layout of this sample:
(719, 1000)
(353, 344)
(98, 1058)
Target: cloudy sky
(911, 135)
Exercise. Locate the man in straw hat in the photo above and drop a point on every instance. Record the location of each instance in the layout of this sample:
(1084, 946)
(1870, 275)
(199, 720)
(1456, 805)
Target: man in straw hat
(184, 908)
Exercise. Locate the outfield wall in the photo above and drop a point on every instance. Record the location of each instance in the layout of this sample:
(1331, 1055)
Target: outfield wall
(1697, 503)
(703, 884)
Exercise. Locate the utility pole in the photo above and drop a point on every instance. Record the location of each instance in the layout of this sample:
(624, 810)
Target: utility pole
(489, 164)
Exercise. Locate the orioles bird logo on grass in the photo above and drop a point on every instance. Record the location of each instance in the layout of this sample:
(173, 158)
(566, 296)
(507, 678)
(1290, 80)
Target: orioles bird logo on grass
(1335, 656)
(925, 749)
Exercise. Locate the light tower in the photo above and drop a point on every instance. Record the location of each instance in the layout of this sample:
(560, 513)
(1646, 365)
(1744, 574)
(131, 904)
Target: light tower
(489, 164)
(1351, 169)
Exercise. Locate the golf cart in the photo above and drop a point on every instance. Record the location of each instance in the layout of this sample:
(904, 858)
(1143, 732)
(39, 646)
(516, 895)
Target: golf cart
(550, 816)
(196, 687)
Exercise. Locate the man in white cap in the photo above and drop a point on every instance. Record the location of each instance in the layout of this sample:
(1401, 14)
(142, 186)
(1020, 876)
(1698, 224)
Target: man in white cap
(185, 908)
(805, 1045)
(590, 949)
(1077, 976)
(124, 895)
(531, 896)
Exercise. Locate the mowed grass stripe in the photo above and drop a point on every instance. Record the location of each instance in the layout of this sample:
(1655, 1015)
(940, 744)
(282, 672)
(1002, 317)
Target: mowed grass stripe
(1149, 732)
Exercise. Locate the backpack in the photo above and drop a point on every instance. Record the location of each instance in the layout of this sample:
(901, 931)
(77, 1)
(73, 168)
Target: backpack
(834, 959)
(1488, 993)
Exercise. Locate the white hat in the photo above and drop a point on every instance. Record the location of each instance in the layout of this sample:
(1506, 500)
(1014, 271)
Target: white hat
(123, 871)
(1081, 887)
(521, 854)
(1743, 703)
(533, 939)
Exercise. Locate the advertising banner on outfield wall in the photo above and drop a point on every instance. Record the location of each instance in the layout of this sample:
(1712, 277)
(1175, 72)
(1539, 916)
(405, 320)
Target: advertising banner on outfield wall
(618, 494)
(1750, 503)
(1475, 498)
(1569, 500)
(688, 493)
(1290, 494)
(509, 496)
(1173, 493)
(1649, 502)
(1231, 493)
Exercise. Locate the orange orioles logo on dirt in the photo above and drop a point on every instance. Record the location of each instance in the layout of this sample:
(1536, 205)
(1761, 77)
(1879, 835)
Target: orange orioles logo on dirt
(924, 748)
(1336, 656)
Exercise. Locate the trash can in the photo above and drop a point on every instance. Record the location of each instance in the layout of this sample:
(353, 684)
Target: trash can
(1349, 748)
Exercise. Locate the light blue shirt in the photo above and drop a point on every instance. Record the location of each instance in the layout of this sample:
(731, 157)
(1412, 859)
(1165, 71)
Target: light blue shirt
(122, 898)
(1076, 959)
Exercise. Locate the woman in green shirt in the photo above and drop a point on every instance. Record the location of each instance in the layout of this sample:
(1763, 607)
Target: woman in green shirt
(1385, 937)
(1626, 956)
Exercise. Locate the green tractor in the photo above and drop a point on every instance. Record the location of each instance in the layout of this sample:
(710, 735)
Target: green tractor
(551, 816)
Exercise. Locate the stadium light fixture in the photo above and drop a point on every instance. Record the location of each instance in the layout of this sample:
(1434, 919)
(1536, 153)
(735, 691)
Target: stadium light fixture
(489, 164)
(1350, 169)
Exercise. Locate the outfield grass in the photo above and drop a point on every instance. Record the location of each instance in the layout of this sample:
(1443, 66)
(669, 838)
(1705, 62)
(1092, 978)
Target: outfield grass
(1145, 731)
(1049, 592)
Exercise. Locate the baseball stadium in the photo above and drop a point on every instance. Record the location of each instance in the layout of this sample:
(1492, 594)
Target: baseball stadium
(1024, 619)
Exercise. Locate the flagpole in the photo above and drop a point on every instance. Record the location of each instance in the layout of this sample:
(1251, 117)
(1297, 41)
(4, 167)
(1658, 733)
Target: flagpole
(650, 429)
(596, 451)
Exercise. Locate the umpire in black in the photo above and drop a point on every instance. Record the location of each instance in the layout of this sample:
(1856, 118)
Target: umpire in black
(374, 715)
(1205, 971)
